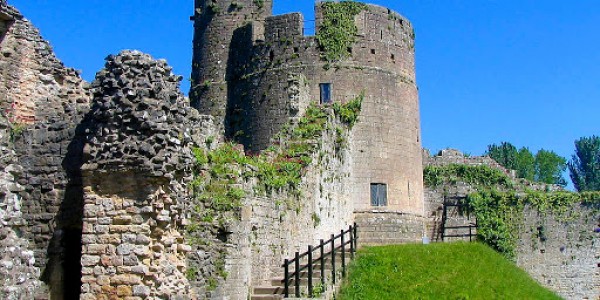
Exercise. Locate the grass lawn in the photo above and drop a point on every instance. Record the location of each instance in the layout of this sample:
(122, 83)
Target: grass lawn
(438, 271)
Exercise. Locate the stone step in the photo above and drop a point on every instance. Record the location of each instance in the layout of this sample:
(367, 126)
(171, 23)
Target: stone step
(266, 297)
(272, 290)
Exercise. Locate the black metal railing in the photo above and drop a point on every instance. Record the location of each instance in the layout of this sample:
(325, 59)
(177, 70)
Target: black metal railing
(305, 262)
(472, 227)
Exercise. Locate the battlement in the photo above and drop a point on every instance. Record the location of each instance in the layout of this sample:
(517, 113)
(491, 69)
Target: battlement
(288, 27)
(276, 71)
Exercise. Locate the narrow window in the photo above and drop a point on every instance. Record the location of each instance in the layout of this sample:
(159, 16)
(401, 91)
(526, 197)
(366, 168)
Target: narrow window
(325, 93)
(393, 57)
(372, 51)
(296, 49)
(271, 55)
(350, 50)
(3, 29)
(378, 194)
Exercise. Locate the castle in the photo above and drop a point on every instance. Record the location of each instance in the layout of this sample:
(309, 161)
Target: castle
(254, 72)
(126, 189)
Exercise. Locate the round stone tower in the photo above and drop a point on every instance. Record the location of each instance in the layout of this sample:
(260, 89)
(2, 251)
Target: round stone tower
(286, 71)
(216, 23)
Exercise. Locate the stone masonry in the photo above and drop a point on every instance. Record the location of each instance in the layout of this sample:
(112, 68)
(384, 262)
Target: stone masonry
(561, 252)
(41, 101)
(139, 135)
(96, 197)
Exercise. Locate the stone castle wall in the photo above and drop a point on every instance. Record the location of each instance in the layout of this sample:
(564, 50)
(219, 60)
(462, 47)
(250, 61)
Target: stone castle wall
(138, 154)
(136, 185)
(274, 228)
(276, 69)
(559, 251)
(41, 101)
(562, 252)
(215, 23)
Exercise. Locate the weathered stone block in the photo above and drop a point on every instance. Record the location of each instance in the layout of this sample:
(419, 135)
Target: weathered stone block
(89, 260)
(124, 290)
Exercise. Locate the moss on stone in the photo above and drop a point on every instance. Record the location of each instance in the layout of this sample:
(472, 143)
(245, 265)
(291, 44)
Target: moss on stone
(338, 31)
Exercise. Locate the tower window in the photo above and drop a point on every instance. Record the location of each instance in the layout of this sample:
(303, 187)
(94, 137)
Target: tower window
(372, 51)
(271, 55)
(3, 29)
(378, 194)
(325, 93)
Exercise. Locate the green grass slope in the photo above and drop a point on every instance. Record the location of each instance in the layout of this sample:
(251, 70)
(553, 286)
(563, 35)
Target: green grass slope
(438, 271)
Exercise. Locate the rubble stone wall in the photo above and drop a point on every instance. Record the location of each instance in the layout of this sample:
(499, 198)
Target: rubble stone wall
(138, 153)
(41, 101)
(560, 251)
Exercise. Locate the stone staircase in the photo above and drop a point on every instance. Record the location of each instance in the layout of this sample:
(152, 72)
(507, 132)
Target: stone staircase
(276, 289)
(327, 270)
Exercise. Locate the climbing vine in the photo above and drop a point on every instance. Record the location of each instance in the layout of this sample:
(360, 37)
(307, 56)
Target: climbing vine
(500, 214)
(338, 31)
(498, 203)
(348, 113)
(220, 174)
(434, 176)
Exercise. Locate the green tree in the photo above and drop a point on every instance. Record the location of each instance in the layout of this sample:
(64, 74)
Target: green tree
(549, 167)
(546, 166)
(585, 164)
(525, 164)
(505, 154)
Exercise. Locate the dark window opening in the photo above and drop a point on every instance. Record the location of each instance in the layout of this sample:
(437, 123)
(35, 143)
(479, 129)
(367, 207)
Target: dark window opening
(350, 50)
(72, 263)
(382, 35)
(271, 55)
(378, 194)
(325, 93)
(3, 29)
(296, 49)
(393, 57)
(372, 51)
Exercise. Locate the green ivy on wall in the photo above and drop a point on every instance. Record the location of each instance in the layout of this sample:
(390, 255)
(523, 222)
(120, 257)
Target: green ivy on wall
(349, 112)
(220, 173)
(338, 31)
(434, 176)
(498, 203)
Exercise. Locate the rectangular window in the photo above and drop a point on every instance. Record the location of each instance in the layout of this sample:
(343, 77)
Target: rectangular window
(325, 93)
(378, 194)
(3, 29)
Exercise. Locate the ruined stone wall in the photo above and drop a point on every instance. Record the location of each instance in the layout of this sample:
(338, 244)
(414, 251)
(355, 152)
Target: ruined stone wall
(562, 252)
(138, 154)
(559, 251)
(41, 102)
(138, 201)
(386, 147)
(282, 224)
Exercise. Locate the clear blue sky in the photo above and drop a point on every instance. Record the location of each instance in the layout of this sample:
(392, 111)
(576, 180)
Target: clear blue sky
(523, 71)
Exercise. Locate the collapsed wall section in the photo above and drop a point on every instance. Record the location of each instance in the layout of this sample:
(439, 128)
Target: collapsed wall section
(41, 102)
(138, 152)
(558, 247)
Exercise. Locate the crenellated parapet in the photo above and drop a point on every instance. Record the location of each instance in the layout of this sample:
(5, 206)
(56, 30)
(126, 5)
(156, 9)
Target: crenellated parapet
(379, 64)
